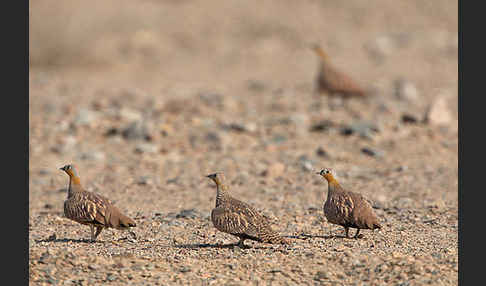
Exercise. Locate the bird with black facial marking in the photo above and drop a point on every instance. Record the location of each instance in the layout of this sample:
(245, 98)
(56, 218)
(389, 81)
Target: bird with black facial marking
(88, 208)
(347, 209)
(240, 219)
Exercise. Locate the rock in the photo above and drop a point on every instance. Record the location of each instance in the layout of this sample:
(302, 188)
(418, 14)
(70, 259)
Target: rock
(85, 117)
(372, 152)
(166, 129)
(241, 178)
(278, 138)
(256, 85)
(135, 131)
(44, 172)
(321, 275)
(212, 99)
(380, 201)
(111, 277)
(300, 120)
(322, 153)
(146, 148)
(129, 115)
(188, 213)
(306, 163)
(64, 144)
(438, 113)
(44, 258)
(144, 180)
(174, 180)
(364, 129)
(401, 168)
(274, 170)
(322, 126)
(214, 139)
(380, 48)
(245, 127)
(112, 132)
(404, 202)
(409, 118)
(185, 269)
(92, 156)
(405, 90)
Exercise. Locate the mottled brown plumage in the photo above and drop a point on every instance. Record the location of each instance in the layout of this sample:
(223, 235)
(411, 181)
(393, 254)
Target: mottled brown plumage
(333, 81)
(240, 219)
(346, 208)
(92, 209)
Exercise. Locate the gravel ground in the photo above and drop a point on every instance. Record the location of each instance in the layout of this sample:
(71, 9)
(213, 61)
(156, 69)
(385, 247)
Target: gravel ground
(146, 105)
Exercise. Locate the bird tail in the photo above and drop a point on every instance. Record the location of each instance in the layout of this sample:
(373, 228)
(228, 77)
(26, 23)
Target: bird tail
(126, 221)
(120, 221)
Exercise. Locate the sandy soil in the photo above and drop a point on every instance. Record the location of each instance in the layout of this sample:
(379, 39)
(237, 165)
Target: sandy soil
(148, 97)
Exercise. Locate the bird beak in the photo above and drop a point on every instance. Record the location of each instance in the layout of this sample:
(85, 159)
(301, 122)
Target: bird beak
(318, 173)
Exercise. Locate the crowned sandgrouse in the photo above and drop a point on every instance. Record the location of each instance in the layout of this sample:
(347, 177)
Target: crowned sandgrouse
(345, 208)
(92, 209)
(333, 81)
(240, 219)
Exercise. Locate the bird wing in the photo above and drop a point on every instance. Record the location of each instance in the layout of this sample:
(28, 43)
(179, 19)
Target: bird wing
(337, 80)
(344, 204)
(235, 221)
(364, 216)
(86, 207)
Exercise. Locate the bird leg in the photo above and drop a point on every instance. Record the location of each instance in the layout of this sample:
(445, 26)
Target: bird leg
(347, 231)
(98, 231)
(93, 237)
(240, 243)
(357, 234)
(133, 234)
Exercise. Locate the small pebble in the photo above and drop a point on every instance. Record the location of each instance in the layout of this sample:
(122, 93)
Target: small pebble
(372, 152)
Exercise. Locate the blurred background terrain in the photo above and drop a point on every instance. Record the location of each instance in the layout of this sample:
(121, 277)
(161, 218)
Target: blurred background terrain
(148, 97)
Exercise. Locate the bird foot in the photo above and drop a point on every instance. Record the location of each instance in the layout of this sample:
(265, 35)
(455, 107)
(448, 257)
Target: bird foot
(240, 245)
(133, 234)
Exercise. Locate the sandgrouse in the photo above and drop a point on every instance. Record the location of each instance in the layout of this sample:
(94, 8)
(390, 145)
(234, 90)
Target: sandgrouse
(92, 209)
(333, 81)
(240, 219)
(346, 208)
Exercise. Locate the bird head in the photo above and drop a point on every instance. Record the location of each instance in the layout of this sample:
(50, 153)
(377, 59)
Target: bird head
(69, 169)
(319, 51)
(327, 173)
(218, 178)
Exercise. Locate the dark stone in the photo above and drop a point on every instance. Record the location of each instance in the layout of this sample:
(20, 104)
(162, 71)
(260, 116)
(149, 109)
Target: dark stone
(322, 126)
(112, 132)
(321, 152)
(372, 152)
(409, 119)
(188, 213)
